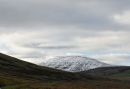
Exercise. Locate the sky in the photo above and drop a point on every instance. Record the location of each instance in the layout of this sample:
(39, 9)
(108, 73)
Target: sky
(34, 30)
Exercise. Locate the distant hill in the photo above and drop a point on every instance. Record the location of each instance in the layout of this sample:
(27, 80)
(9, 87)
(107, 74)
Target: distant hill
(18, 74)
(73, 63)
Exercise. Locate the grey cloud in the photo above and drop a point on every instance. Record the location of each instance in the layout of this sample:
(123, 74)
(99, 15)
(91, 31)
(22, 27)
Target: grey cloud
(43, 46)
(84, 14)
(117, 59)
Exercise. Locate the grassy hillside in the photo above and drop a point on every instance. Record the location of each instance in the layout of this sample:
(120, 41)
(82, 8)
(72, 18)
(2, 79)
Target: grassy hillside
(117, 71)
(123, 75)
(17, 74)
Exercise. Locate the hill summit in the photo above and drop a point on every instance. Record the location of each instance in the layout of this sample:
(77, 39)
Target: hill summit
(73, 63)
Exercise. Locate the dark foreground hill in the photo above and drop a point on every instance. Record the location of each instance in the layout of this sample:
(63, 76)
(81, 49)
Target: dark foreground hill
(17, 74)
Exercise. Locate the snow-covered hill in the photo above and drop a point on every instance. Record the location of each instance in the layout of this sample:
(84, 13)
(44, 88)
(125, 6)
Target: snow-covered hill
(73, 63)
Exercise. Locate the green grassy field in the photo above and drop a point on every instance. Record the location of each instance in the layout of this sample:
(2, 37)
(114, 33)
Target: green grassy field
(123, 74)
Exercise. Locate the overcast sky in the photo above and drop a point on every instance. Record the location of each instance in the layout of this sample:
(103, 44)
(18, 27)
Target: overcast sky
(37, 29)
